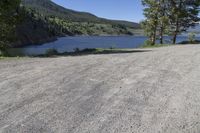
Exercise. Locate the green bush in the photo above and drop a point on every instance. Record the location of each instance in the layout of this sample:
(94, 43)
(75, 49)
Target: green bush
(191, 37)
(1, 54)
(148, 43)
(76, 50)
(113, 47)
(51, 51)
(4, 53)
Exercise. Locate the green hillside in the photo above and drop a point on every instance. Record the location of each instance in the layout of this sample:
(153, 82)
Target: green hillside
(48, 8)
(45, 20)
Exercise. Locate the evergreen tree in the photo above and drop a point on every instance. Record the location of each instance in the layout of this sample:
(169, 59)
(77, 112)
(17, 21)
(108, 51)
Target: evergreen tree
(9, 14)
(183, 14)
(163, 19)
(150, 24)
(169, 17)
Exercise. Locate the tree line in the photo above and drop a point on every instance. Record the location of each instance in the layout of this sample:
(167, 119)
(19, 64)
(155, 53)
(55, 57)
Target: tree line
(169, 17)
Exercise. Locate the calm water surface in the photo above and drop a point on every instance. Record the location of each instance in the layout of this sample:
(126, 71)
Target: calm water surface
(68, 44)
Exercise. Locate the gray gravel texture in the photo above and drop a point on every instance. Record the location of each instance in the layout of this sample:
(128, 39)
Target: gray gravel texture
(145, 92)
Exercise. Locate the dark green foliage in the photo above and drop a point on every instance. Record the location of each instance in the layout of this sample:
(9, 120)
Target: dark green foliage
(49, 9)
(169, 17)
(182, 15)
(151, 11)
(191, 37)
(9, 16)
(148, 43)
(51, 52)
(76, 50)
(34, 29)
(189, 42)
(45, 20)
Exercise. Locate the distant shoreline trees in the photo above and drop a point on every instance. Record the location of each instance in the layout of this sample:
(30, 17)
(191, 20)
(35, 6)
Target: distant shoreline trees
(169, 17)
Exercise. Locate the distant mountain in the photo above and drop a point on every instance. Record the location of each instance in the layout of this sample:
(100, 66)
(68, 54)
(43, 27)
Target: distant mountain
(44, 21)
(49, 8)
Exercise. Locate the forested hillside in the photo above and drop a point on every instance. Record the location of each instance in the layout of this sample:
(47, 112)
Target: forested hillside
(45, 20)
(48, 8)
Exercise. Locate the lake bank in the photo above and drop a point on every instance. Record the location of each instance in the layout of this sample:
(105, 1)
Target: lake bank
(69, 44)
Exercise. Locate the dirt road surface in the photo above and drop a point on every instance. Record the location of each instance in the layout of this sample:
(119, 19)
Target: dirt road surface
(145, 92)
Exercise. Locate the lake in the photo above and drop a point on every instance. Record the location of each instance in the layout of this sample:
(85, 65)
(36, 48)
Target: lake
(68, 44)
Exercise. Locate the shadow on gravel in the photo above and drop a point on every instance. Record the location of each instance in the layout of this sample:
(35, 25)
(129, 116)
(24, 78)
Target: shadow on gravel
(95, 52)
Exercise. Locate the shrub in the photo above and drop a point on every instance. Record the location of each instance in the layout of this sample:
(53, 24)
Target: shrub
(148, 43)
(191, 37)
(51, 51)
(88, 50)
(4, 53)
(113, 47)
(76, 50)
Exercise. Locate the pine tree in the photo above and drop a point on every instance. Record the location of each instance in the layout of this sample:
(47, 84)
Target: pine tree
(163, 20)
(150, 24)
(169, 17)
(182, 14)
(9, 14)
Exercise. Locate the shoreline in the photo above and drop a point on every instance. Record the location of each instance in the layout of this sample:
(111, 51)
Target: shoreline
(53, 39)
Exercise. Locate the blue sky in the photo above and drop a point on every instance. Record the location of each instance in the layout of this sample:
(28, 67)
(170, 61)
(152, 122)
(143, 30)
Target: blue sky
(130, 10)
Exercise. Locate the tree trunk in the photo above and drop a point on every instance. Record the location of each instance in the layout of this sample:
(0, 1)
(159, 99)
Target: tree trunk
(161, 35)
(162, 5)
(154, 36)
(177, 23)
(176, 31)
(161, 39)
(174, 38)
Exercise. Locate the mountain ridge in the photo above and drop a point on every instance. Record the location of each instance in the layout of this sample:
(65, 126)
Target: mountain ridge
(45, 20)
(71, 14)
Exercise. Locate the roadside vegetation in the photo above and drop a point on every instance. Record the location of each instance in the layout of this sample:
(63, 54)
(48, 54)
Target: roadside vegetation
(35, 21)
(169, 17)
(52, 52)
(11, 58)
(9, 17)
(155, 46)
(88, 51)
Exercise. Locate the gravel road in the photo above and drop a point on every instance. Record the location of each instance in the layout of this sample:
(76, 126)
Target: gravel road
(145, 92)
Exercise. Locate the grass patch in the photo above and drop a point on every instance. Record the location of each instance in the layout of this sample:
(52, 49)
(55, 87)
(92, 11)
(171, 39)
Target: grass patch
(51, 52)
(155, 46)
(78, 52)
(190, 42)
(1, 57)
(93, 51)
(97, 51)
(90, 51)
(15, 57)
